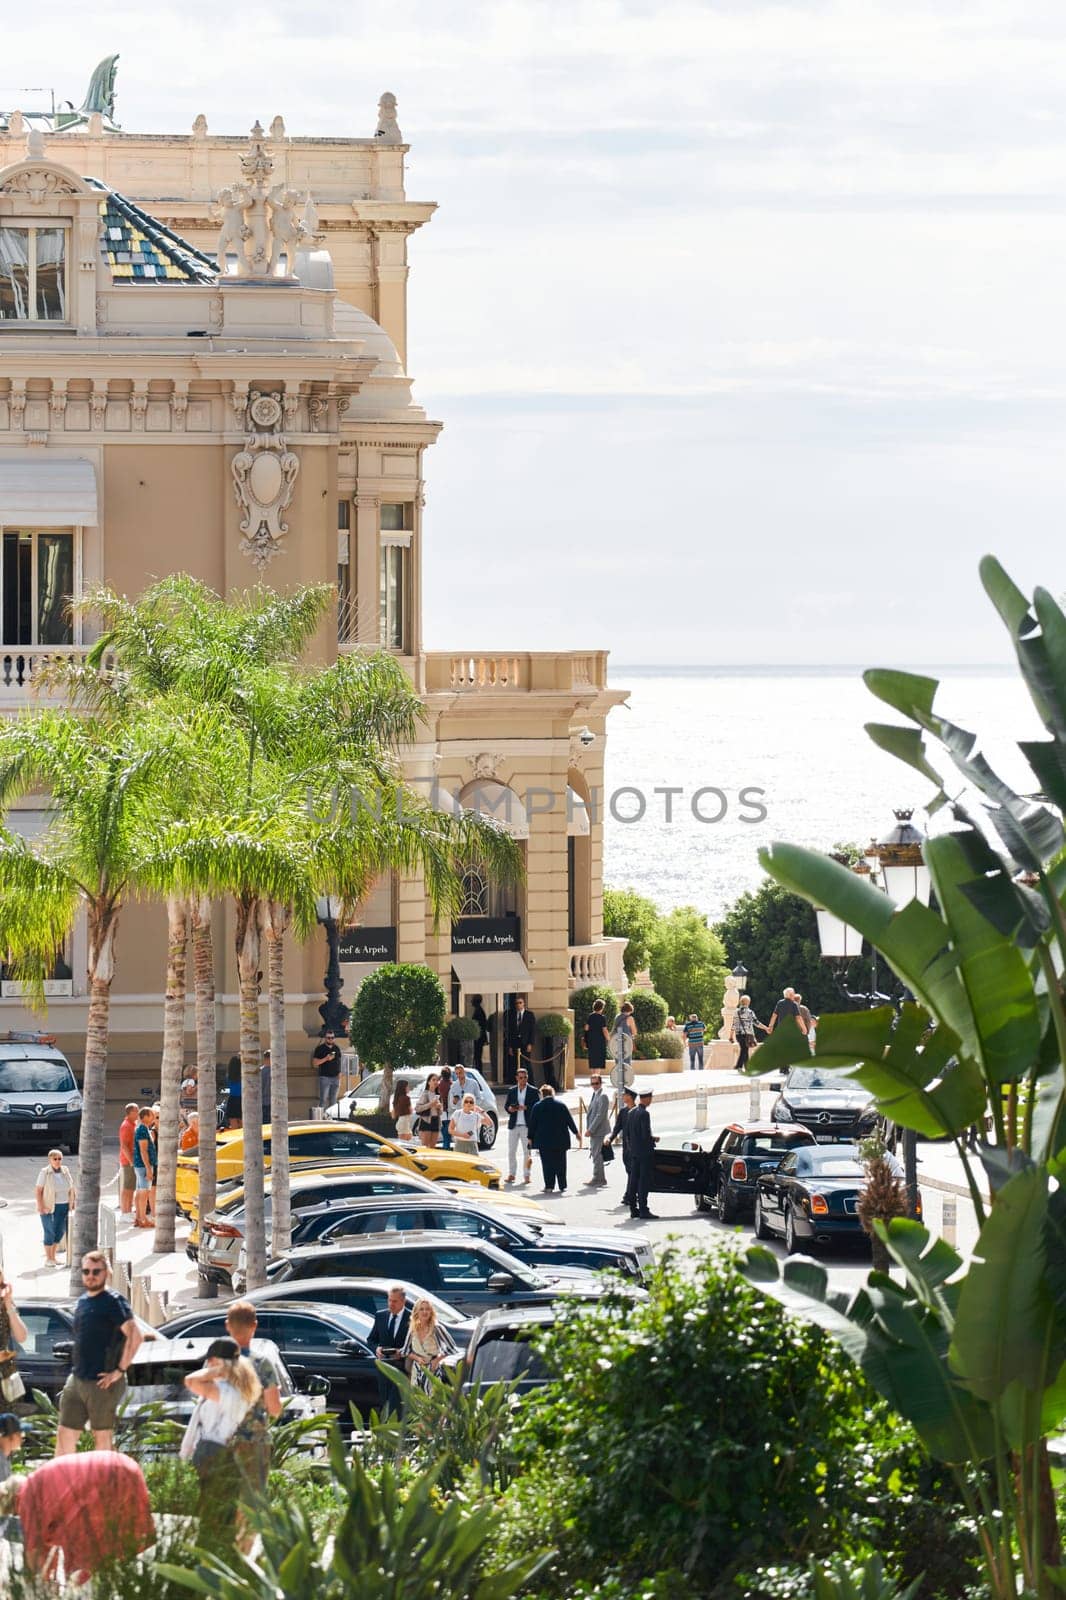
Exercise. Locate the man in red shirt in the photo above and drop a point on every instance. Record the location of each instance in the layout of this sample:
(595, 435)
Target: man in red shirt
(126, 1178)
(91, 1509)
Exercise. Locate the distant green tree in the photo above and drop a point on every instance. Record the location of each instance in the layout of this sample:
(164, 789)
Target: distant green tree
(632, 916)
(688, 964)
(775, 935)
(397, 1020)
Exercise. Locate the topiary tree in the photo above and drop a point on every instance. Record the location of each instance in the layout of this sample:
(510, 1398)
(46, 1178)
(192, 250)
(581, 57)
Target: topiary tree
(629, 915)
(581, 1003)
(688, 964)
(397, 1020)
(649, 1010)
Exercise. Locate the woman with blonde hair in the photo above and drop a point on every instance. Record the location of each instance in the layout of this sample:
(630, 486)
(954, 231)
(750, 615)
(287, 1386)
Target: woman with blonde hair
(226, 1388)
(467, 1123)
(424, 1351)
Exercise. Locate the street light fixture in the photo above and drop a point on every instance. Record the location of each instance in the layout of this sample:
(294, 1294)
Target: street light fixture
(333, 1011)
(898, 859)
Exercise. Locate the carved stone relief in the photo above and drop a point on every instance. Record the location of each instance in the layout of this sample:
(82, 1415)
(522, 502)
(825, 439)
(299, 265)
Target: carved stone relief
(487, 764)
(258, 220)
(264, 477)
(36, 185)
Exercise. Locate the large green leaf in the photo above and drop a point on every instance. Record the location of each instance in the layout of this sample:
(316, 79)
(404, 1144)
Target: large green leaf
(1005, 1316)
(993, 971)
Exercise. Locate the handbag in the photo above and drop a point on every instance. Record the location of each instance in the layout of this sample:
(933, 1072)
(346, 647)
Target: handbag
(11, 1386)
(608, 1150)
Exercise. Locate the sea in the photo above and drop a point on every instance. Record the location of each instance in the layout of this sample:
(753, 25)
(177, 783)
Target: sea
(760, 754)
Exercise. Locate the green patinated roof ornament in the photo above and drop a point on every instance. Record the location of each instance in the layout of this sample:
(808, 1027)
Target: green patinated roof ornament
(101, 91)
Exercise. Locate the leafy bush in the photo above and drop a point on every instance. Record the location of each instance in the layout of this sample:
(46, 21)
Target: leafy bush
(461, 1030)
(658, 1047)
(645, 1471)
(581, 1003)
(649, 1010)
(774, 934)
(397, 1019)
(688, 964)
(449, 1429)
(629, 915)
(553, 1025)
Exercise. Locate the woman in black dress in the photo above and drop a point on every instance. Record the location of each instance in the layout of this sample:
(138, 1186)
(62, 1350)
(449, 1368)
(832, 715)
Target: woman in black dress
(595, 1037)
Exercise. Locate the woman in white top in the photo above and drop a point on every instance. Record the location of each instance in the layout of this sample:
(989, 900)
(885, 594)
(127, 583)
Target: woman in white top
(428, 1112)
(424, 1352)
(467, 1123)
(227, 1387)
(55, 1202)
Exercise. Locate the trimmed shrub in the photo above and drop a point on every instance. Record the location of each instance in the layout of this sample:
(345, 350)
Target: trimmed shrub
(649, 1010)
(581, 1003)
(553, 1025)
(658, 1047)
(461, 1030)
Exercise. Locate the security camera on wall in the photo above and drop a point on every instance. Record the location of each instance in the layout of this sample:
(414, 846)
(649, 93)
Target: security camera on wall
(587, 737)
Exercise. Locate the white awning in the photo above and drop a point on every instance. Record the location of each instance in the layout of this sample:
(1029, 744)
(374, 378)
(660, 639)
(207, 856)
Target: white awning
(502, 805)
(577, 815)
(47, 493)
(492, 972)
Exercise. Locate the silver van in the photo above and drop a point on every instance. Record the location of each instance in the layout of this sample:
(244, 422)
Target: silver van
(40, 1102)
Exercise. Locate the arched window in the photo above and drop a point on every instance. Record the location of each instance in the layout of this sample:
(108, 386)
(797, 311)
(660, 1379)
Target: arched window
(475, 894)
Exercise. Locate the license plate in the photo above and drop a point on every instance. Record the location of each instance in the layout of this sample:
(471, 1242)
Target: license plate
(38, 1126)
(825, 1138)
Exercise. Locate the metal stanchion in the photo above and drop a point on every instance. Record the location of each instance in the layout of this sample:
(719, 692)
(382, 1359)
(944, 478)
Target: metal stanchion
(755, 1099)
(701, 1107)
(949, 1220)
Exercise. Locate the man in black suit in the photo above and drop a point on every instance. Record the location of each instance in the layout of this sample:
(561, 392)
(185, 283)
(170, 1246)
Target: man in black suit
(642, 1148)
(388, 1336)
(621, 1131)
(550, 1127)
(521, 1028)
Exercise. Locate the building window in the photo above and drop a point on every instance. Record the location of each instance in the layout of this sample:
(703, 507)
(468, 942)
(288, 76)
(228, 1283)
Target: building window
(36, 587)
(345, 598)
(475, 894)
(33, 274)
(395, 525)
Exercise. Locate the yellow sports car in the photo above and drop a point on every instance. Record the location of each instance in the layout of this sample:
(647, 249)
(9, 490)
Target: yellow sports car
(315, 1142)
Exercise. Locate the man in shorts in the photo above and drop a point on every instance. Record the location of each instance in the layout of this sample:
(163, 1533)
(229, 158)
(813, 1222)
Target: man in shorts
(106, 1336)
(143, 1166)
(126, 1178)
(251, 1442)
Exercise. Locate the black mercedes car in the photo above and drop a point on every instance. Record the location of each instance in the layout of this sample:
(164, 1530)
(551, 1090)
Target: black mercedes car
(830, 1104)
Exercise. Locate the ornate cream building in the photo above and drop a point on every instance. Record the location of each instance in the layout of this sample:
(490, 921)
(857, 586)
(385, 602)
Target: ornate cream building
(203, 367)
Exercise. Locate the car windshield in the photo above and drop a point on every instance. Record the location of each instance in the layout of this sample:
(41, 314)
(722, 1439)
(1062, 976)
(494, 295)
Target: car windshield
(765, 1144)
(827, 1164)
(36, 1077)
(370, 1087)
(812, 1078)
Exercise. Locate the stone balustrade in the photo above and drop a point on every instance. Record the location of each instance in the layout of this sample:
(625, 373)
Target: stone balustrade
(522, 672)
(21, 667)
(598, 963)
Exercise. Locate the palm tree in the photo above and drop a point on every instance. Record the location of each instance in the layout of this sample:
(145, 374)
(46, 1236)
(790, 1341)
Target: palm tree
(105, 783)
(171, 1071)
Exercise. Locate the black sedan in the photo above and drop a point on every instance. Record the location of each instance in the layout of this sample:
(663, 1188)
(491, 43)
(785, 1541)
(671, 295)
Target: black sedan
(830, 1104)
(811, 1198)
(723, 1178)
(326, 1341)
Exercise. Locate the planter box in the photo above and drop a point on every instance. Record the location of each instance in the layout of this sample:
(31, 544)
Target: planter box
(661, 1064)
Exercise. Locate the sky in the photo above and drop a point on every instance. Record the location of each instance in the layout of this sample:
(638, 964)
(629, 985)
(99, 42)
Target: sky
(744, 320)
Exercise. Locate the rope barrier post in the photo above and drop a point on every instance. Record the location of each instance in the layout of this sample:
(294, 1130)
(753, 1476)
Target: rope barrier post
(701, 1107)
(949, 1219)
(755, 1099)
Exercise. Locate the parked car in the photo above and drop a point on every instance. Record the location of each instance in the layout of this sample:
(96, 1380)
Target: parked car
(501, 1349)
(44, 1357)
(368, 1295)
(364, 1098)
(315, 1141)
(315, 1340)
(158, 1370)
(723, 1178)
(561, 1247)
(40, 1102)
(812, 1197)
(830, 1104)
(471, 1274)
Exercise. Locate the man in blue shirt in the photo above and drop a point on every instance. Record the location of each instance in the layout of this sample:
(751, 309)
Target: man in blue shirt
(143, 1166)
(106, 1337)
(694, 1031)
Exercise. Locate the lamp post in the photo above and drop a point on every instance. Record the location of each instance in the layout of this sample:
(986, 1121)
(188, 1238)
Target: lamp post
(333, 1011)
(896, 865)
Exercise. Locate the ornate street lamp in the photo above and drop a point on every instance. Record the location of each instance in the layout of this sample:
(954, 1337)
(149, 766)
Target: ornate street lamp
(333, 1011)
(898, 859)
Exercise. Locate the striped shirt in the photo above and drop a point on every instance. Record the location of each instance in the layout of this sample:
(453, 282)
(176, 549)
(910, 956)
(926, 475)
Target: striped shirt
(694, 1032)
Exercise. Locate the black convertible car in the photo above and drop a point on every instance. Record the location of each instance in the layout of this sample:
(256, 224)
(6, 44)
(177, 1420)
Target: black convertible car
(723, 1178)
(811, 1198)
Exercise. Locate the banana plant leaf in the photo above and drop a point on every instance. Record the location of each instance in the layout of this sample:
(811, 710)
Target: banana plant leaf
(1006, 1327)
(1041, 666)
(900, 1346)
(915, 1074)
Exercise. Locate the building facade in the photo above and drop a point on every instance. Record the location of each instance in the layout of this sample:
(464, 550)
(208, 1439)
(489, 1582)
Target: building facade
(203, 368)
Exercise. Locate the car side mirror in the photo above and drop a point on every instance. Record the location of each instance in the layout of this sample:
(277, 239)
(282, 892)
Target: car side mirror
(64, 1349)
(500, 1282)
(387, 1150)
(776, 1088)
(352, 1347)
(500, 1239)
(690, 1144)
(316, 1385)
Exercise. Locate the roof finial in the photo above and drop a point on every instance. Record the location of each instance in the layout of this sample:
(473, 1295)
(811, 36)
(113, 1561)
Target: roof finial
(34, 145)
(388, 128)
(277, 128)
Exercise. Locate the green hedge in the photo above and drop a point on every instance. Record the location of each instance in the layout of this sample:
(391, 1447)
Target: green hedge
(658, 1047)
(582, 1001)
(650, 1010)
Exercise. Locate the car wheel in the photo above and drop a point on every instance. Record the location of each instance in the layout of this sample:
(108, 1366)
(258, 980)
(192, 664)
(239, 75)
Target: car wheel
(487, 1136)
(727, 1206)
(791, 1242)
(761, 1230)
